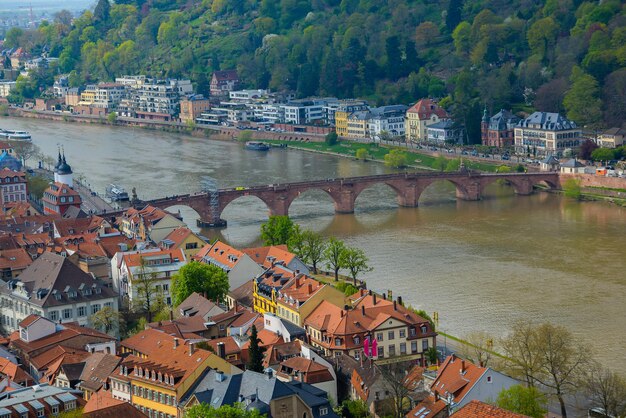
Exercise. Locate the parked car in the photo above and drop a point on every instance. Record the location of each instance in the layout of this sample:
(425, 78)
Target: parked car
(506, 157)
(474, 153)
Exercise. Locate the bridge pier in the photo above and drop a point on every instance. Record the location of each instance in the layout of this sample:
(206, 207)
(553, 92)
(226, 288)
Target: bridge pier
(524, 187)
(344, 201)
(472, 191)
(410, 197)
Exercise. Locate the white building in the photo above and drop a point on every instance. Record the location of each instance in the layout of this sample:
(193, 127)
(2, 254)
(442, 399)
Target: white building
(388, 119)
(156, 265)
(304, 111)
(12, 186)
(247, 96)
(160, 96)
(544, 133)
(445, 132)
(6, 87)
(53, 287)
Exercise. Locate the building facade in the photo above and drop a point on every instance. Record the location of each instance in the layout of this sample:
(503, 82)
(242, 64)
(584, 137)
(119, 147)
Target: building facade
(543, 134)
(419, 116)
(12, 186)
(498, 130)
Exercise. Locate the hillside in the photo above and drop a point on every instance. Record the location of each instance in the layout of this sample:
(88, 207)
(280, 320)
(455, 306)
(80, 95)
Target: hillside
(555, 55)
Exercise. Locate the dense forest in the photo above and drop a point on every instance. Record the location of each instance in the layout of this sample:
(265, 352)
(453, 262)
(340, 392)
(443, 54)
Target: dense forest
(556, 55)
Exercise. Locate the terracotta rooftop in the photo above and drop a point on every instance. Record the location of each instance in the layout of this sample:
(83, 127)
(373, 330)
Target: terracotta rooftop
(219, 253)
(134, 259)
(298, 290)
(478, 409)
(306, 366)
(425, 108)
(7, 172)
(78, 226)
(111, 244)
(102, 405)
(179, 235)
(244, 294)
(98, 367)
(266, 256)
(15, 373)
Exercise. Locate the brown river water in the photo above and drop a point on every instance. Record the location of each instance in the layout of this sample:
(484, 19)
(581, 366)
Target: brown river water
(480, 265)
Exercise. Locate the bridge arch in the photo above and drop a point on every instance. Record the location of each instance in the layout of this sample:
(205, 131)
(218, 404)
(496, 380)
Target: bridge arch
(461, 189)
(226, 201)
(521, 185)
(321, 196)
(547, 181)
(382, 185)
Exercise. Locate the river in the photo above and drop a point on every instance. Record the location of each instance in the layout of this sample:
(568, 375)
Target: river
(481, 265)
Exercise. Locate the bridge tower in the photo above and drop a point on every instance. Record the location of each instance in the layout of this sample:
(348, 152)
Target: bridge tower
(209, 185)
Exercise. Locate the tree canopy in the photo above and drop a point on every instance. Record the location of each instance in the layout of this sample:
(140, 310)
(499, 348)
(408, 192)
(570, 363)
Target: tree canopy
(277, 230)
(206, 279)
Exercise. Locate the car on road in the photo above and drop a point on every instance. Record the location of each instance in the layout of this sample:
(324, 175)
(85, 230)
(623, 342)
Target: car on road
(506, 157)
(474, 153)
(450, 151)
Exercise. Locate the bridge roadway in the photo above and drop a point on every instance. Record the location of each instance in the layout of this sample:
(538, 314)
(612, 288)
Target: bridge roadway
(344, 191)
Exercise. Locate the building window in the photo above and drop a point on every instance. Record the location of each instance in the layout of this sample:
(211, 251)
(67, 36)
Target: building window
(413, 347)
(55, 409)
(424, 345)
(488, 379)
(391, 335)
(424, 329)
(95, 308)
(402, 333)
(323, 411)
(381, 352)
(67, 313)
(392, 350)
(379, 336)
(53, 315)
(82, 311)
(402, 348)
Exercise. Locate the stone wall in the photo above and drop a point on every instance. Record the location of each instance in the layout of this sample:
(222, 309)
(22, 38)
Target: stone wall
(591, 180)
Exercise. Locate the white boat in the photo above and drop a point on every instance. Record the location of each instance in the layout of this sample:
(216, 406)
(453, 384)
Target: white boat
(17, 135)
(116, 193)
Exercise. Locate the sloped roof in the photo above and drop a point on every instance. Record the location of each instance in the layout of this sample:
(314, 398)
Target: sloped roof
(56, 273)
(425, 108)
(265, 256)
(14, 372)
(244, 294)
(478, 409)
(547, 121)
(98, 367)
(197, 305)
(220, 254)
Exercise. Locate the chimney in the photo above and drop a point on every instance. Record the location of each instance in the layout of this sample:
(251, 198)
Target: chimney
(342, 313)
(370, 292)
(192, 349)
(310, 288)
(395, 306)
(297, 281)
(400, 301)
(175, 343)
(462, 366)
(171, 315)
(374, 299)
(221, 350)
(363, 310)
(219, 376)
(269, 374)
(385, 296)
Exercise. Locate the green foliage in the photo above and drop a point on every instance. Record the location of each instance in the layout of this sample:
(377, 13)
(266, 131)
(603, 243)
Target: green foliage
(453, 165)
(354, 409)
(331, 138)
(333, 254)
(582, 100)
(520, 399)
(355, 261)
(603, 154)
(440, 163)
(76, 413)
(244, 136)
(423, 314)
(112, 117)
(277, 230)
(572, 188)
(204, 410)
(432, 355)
(520, 168)
(202, 278)
(396, 158)
(107, 320)
(361, 154)
(36, 185)
(503, 169)
(314, 247)
(346, 288)
(255, 352)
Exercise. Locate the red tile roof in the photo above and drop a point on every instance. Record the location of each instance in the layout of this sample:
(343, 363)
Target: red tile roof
(179, 235)
(478, 409)
(7, 172)
(15, 373)
(298, 290)
(28, 320)
(264, 255)
(78, 226)
(222, 253)
(134, 259)
(17, 259)
(312, 371)
(425, 108)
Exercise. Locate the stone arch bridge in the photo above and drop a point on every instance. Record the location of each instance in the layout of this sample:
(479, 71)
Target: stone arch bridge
(344, 191)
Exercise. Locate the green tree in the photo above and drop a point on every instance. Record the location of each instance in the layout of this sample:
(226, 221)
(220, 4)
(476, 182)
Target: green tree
(333, 254)
(461, 37)
(582, 100)
(206, 279)
(603, 154)
(108, 321)
(314, 247)
(354, 409)
(149, 298)
(331, 138)
(361, 154)
(432, 355)
(572, 188)
(204, 410)
(396, 158)
(523, 400)
(112, 117)
(453, 165)
(277, 230)
(355, 260)
(503, 169)
(255, 352)
(453, 16)
(542, 36)
(102, 11)
(295, 243)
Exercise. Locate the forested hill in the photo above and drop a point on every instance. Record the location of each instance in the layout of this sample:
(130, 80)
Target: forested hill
(555, 55)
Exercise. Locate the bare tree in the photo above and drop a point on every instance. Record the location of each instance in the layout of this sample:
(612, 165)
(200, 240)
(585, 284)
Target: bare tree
(521, 347)
(480, 347)
(149, 298)
(393, 378)
(108, 320)
(562, 362)
(25, 149)
(606, 390)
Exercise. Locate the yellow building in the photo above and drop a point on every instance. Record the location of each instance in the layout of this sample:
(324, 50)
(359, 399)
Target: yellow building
(183, 238)
(358, 124)
(419, 116)
(266, 287)
(300, 296)
(161, 371)
(345, 109)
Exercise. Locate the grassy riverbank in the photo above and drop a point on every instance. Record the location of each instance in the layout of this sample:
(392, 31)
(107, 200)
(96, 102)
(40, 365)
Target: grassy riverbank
(376, 152)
